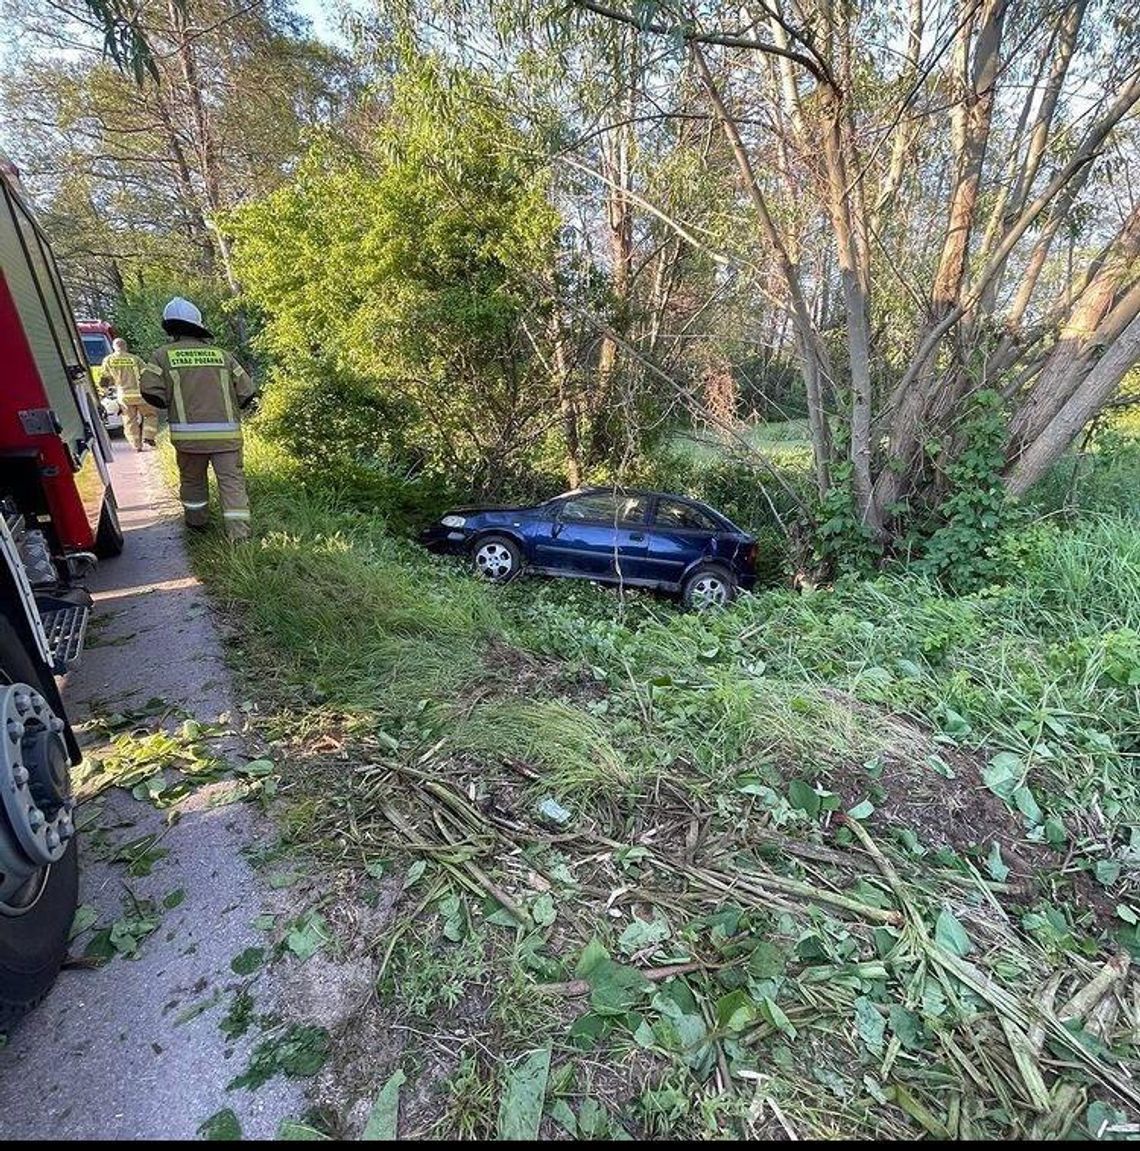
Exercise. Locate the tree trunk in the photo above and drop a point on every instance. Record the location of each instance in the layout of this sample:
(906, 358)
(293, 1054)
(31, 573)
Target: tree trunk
(567, 402)
(807, 340)
(1093, 393)
(1062, 370)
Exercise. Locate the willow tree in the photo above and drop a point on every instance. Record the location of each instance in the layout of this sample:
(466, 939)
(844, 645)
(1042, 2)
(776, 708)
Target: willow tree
(963, 163)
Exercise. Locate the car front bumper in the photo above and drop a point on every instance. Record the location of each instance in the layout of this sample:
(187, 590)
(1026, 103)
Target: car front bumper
(446, 541)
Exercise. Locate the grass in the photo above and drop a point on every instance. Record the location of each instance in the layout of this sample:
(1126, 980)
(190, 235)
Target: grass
(708, 946)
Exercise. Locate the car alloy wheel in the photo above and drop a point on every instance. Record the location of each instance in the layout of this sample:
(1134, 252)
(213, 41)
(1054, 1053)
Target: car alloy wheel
(709, 590)
(494, 561)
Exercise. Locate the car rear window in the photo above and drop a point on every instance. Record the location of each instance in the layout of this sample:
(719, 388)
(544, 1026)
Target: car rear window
(97, 348)
(675, 514)
(605, 507)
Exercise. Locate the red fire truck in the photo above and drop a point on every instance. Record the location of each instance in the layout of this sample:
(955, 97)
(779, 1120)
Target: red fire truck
(57, 516)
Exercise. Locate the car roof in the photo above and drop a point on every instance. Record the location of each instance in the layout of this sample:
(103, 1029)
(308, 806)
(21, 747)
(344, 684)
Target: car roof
(608, 489)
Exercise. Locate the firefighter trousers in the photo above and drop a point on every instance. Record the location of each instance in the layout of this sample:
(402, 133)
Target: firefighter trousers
(140, 422)
(195, 493)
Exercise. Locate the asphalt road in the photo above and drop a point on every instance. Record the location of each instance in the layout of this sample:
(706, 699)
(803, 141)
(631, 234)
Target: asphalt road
(133, 1050)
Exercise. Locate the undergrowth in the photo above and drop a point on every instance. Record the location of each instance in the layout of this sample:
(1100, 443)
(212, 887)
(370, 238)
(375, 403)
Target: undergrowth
(651, 803)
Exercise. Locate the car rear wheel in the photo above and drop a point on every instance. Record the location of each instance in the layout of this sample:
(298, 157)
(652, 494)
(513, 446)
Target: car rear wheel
(39, 876)
(496, 558)
(710, 587)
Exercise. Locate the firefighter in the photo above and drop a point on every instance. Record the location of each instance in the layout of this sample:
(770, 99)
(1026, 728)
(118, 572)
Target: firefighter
(140, 420)
(203, 389)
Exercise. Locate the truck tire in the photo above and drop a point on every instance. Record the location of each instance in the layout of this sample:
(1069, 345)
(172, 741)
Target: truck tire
(109, 537)
(34, 928)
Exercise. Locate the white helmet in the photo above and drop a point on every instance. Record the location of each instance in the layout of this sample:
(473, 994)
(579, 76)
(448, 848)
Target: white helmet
(180, 309)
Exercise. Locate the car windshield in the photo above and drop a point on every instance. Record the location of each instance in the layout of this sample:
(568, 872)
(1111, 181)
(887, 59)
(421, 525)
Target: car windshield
(97, 347)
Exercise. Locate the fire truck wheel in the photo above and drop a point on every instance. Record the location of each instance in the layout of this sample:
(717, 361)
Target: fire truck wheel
(36, 918)
(109, 537)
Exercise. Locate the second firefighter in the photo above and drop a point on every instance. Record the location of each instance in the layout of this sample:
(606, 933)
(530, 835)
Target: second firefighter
(203, 389)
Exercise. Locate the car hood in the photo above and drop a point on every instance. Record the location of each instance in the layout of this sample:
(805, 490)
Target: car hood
(481, 509)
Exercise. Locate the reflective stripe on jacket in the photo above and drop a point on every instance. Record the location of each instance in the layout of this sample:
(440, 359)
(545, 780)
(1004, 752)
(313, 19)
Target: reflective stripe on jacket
(124, 370)
(203, 389)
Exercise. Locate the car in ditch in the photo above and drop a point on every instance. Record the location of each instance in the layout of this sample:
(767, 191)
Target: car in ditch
(632, 538)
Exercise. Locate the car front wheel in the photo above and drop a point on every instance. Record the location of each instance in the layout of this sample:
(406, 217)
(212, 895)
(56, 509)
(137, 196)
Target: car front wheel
(497, 559)
(708, 588)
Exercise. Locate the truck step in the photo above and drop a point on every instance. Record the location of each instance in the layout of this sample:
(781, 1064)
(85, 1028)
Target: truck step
(37, 559)
(66, 628)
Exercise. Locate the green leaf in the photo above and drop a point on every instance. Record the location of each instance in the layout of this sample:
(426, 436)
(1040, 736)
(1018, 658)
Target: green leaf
(642, 933)
(562, 1115)
(862, 810)
(774, 1014)
(615, 988)
(291, 1130)
(1027, 805)
(174, 898)
(870, 1024)
(520, 1111)
(1126, 913)
(1101, 1115)
(802, 796)
(542, 911)
(383, 1120)
(735, 1011)
(280, 879)
(85, 917)
(767, 961)
(593, 1120)
(1055, 833)
(222, 1126)
(1107, 873)
(307, 936)
(938, 764)
(951, 935)
(248, 961)
(592, 954)
(907, 1026)
(954, 725)
(1003, 774)
(415, 873)
(255, 767)
(994, 864)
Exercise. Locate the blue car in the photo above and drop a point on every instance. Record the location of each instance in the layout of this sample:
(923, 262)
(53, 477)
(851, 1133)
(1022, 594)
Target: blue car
(635, 538)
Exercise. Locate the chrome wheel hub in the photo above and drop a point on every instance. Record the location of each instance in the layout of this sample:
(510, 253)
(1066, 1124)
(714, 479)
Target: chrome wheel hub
(36, 806)
(494, 561)
(710, 591)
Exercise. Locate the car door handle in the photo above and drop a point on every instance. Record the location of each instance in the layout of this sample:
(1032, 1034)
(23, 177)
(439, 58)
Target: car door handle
(637, 537)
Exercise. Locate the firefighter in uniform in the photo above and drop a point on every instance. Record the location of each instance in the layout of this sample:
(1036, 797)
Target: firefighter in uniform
(203, 389)
(140, 420)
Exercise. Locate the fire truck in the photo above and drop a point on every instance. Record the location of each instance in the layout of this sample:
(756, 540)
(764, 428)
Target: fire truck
(57, 518)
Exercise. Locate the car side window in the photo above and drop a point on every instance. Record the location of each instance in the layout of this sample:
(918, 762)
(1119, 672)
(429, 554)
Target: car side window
(604, 507)
(674, 514)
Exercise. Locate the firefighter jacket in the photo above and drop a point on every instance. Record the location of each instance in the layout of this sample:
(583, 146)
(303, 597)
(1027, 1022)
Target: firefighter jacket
(124, 371)
(203, 389)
